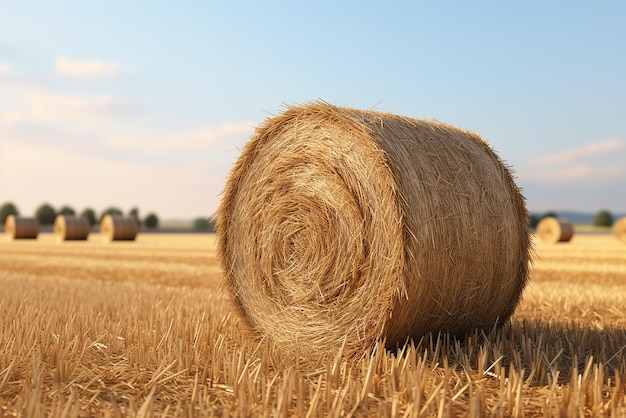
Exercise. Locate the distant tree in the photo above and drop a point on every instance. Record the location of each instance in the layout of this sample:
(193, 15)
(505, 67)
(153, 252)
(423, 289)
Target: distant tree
(113, 211)
(151, 221)
(549, 213)
(90, 214)
(45, 214)
(533, 220)
(7, 209)
(67, 210)
(203, 224)
(134, 213)
(603, 218)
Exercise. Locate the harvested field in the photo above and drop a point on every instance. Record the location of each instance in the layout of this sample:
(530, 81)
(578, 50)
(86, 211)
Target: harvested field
(143, 329)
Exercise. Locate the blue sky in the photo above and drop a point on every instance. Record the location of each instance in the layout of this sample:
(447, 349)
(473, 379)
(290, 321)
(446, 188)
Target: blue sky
(147, 103)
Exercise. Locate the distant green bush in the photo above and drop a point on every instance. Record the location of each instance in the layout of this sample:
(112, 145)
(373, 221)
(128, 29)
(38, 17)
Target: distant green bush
(7, 209)
(67, 211)
(90, 214)
(113, 211)
(533, 220)
(603, 218)
(203, 224)
(151, 221)
(45, 214)
(134, 213)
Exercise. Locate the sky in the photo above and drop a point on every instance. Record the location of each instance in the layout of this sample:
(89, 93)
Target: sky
(147, 103)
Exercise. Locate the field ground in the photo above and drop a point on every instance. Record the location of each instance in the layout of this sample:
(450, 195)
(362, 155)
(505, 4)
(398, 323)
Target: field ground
(143, 329)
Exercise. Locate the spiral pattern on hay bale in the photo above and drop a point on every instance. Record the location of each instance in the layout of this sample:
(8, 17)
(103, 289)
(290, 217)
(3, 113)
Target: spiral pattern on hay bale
(619, 229)
(71, 228)
(16, 227)
(339, 227)
(553, 230)
(117, 228)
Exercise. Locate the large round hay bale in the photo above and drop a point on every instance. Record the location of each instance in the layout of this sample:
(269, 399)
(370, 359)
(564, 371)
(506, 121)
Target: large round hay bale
(619, 229)
(70, 228)
(340, 227)
(21, 228)
(553, 230)
(117, 228)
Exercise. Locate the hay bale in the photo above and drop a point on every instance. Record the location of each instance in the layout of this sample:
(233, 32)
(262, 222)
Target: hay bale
(340, 227)
(21, 228)
(619, 229)
(117, 228)
(553, 230)
(70, 228)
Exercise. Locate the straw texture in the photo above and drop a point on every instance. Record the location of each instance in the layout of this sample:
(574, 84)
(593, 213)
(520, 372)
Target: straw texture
(116, 228)
(21, 228)
(553, 230)
(339, 227)
(619, 229)
(71, 228)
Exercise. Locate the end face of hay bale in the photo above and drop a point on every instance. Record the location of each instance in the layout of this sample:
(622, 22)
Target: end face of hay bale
(116, 228)
(71, 228)
(21, 228)
(339, 227)
(553, 230)
(619, 229)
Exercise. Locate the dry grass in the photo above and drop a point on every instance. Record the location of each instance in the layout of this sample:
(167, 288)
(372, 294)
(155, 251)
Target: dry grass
(142, 329)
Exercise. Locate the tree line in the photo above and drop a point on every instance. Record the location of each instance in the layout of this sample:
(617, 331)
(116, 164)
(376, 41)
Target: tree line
(603, 218)
(46, 214)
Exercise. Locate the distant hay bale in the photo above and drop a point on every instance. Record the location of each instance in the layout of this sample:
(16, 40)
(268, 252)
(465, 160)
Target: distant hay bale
(619, 229)
(116, 228)
(340, 227)
(553, 230)
(21, 228)
(70, 228)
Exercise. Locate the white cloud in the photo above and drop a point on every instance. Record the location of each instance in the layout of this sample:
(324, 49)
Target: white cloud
(39, 106)
(223, 137)
(599, 160)
(581, 153)
(33, 174)
(5, 69)
(88, 68)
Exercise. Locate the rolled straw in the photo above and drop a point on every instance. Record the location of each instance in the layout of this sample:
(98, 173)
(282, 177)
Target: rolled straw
(619, 229)
(69, 228)
(21, 228)
(339, 227)
(116, 228)
(553, 230)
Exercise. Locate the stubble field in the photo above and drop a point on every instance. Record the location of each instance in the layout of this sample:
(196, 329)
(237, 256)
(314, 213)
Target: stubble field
(144, 329)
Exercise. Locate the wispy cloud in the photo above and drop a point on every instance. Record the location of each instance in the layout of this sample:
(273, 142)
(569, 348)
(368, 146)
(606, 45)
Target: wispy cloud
(5, 69)
(39, 106)
(581, 153)
(224, 136)
(88, 68)
(173, 190)
(598, 160)
(579, 172)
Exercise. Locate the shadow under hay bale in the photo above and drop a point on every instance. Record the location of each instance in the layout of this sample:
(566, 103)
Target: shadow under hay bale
(21, 228)
(339, 227)
(71, 228)
(116, 228)
(553, 230)
(619, 229)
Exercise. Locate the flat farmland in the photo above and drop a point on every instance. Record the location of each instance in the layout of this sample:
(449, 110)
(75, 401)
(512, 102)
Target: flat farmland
(145, 328)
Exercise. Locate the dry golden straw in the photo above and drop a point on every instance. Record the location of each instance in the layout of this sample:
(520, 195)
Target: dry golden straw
(553, 230)
(619, 229)
(21, 228)
(69, 228)
(116, 228)
(339, 227)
